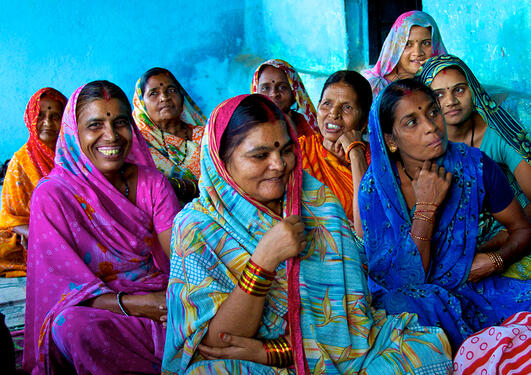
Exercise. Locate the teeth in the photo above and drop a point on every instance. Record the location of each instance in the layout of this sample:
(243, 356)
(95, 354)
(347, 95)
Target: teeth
(109, 151)
(333, 126)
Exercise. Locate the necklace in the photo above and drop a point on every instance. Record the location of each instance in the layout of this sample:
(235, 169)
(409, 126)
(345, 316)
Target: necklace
(124, 180)
(185, 140)
(405, 171)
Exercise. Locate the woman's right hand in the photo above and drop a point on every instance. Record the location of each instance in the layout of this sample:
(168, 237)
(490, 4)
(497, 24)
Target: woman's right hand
(431, 183)
(150, 305)
(285, 240)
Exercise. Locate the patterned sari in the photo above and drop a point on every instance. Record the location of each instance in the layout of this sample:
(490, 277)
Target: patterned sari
(395, 43)
(333, 327)
(506, 127)
(442, 296)
(173, 156)
(87, 239)
(305, 120)
(27, 166)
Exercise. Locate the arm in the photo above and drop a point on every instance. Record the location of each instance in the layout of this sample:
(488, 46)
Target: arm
(151, 305)
(241, 313)
(522, 173)
(165, 240)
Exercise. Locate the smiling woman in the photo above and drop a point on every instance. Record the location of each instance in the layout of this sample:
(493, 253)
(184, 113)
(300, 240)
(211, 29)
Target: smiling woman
(99, 230)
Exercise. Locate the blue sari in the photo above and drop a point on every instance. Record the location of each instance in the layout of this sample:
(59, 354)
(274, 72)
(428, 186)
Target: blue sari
(442, 296)
(320, 298)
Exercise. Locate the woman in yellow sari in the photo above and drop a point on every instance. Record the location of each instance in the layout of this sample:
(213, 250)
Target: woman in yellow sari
(28, 165)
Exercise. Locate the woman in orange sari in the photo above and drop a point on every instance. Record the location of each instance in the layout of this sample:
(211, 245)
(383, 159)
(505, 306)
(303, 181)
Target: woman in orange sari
(28, 165)
(337, 156)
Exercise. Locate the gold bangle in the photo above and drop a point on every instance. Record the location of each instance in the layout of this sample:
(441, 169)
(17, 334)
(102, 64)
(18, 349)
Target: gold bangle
(419, 238)
(353, 145)
(419, 215)
(255, 281)
(423, 218)
(497, 260)
(426, 204)
(279, 353)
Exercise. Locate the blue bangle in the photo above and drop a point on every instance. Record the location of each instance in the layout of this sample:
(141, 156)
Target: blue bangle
(119, 300)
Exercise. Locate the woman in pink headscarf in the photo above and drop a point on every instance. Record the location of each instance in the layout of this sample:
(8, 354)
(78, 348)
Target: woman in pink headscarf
(414, 38)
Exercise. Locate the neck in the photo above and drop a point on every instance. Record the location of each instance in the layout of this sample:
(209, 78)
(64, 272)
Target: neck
(115, 177)
(461, 132)
(410, 167)
(275, 206)
(172, 126)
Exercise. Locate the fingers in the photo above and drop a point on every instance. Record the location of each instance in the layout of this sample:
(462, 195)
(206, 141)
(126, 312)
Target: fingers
(293, 219)
(448, 177)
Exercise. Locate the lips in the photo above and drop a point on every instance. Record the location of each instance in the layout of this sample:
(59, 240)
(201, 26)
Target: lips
(333, 128)
(452, 112)
(437, 142)
(110, 152)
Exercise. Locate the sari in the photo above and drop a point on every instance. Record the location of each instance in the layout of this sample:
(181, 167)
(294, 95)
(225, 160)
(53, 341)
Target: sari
(305, 121)
(505, 131)
(88, 239)
(332, 325)
(395, 43)
(442, 296)
(28, 165)
(330, 170)
(173, 156)
(499, 350)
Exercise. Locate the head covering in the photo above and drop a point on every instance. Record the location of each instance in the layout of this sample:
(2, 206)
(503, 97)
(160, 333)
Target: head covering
(333, 329)
(86, 238)
(41, 155)
(516, 135)
(395, 43)
(172, 155)
(302, 99)
(441, 295)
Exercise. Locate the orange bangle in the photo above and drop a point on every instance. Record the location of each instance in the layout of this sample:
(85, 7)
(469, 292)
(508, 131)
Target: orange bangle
(279, 353)
(353, 145)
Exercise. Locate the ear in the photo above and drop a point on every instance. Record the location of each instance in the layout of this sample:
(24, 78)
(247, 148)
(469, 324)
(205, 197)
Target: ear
(389, 141)
(364, 124)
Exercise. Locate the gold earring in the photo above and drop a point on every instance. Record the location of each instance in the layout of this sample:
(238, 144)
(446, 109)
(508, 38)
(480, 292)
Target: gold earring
(393, 148)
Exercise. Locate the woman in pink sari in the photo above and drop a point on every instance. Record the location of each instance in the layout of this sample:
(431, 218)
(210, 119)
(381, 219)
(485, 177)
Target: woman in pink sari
(99, 229)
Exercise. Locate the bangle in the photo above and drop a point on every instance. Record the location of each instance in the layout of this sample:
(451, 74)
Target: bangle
(426, 204)
(419, 238)
(279, 353)
(255, 280)
(353, 145)
(119, 300)
(422, 217)
(496, 259)
(430, 211)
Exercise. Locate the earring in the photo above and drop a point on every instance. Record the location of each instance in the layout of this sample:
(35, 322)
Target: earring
(393, 148)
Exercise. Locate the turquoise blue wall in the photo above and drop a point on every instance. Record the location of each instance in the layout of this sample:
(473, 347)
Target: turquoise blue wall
(214, 47)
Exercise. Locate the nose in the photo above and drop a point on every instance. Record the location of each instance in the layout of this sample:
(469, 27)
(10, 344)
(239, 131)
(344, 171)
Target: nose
(335, 112)
(429, 125)
(420, 51)
(109, 133)
(277, 162)
(452, 99)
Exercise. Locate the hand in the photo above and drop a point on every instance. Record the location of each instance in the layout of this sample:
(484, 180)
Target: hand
(482, 267)
(151, 305)
(334, 147)
(283, 241)
(239, 347)
(431, 183)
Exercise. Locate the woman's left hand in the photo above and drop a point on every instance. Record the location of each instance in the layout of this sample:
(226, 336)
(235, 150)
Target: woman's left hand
(347, 138)
(482, 267)
(242, 348)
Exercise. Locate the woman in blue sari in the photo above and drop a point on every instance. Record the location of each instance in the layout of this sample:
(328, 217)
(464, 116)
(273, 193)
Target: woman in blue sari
(310, 310)
(419, 203)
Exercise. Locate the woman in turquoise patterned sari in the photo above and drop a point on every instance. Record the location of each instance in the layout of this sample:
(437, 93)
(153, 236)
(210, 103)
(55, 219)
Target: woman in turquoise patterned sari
(419, 204)
(257, 206)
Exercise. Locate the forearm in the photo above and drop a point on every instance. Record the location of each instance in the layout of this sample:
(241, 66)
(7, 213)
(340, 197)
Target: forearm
(516, 246)
(421, 231)
(358, 167)
(106, 302)
(22, 230)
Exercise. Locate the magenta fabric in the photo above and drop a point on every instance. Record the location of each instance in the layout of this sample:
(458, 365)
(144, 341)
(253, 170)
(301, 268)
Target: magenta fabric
(87, 239)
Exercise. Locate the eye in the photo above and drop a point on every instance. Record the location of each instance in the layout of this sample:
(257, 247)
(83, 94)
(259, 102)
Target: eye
(411, 123)
(347, 108)
(283, 88)
(56, 116)
(153, 93)
(41, 116)
(121, 123)
(172, 90)
(261, 156)
(264, 88)
(287, 150)
(95, 125)
(439, 95)
(325, 103)
(434, 112)
(459, 90)
(409, 44)
(427, 43)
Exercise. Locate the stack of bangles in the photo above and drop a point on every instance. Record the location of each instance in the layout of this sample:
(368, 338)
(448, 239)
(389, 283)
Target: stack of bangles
(255, 280)
(420, 214)
(354, 145)
(497, 260)
(278, 352)
(185, 187)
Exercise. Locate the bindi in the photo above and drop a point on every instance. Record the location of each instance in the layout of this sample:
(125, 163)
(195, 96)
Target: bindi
(277, 144)
(162, 84)
(108, 114)
(49, 107)
(420, 108)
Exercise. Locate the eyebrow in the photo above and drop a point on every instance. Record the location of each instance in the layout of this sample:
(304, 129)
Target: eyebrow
(269, 148)
(457, 84)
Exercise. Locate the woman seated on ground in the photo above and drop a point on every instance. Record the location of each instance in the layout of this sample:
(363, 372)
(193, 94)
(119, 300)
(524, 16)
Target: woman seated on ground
(173, 126)
(100, 224)
(413, 38)
(279, 81)
(28, 165)
(337, 156)
(419, 204)
(247, 292)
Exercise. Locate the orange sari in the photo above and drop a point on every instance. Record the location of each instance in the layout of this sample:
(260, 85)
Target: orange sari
(329, 169)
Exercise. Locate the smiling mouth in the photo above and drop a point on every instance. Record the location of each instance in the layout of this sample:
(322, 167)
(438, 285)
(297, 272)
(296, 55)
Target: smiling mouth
(110, 152)
(333, 128)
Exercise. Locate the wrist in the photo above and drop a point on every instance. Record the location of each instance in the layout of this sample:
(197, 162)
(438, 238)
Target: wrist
(265, 260)
(128, 302)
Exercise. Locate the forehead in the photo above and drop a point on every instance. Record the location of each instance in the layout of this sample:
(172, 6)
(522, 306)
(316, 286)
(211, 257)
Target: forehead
(419, 32)
(53, 104)
(157, 80)
(270, 73)
(100, 108)
(341, 91)
(411, 104)
(447, 78)
(266, 134)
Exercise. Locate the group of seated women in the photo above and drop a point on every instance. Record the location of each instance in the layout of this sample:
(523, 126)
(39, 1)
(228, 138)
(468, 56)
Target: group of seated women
(386, 232)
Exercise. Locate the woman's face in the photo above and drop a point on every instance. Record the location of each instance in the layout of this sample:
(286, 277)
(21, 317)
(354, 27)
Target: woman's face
(262, 163)
(49, 121)
(417, 50)
(454, 96)
(162, 99)
(274, 84)
(105, 135)
(419, 130)
(338, 112)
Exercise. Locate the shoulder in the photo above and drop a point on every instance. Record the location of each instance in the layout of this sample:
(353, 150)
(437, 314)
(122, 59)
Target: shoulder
(151, 176)
(52, 190)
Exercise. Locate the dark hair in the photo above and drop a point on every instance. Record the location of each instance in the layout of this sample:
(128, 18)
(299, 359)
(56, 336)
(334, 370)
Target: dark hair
(96, 90)
(392, 95)
(358, 83)
(155, 72)
(252, 111)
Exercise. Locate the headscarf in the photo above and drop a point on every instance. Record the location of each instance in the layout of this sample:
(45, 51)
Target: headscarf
(41, 155)
(332, 326)
(172, 155)
(395, 43)
(298, 91)
(516, 135)
(87, 239)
